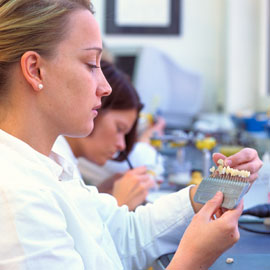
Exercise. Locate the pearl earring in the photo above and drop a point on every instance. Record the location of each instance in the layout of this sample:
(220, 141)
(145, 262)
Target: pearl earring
(40, 86)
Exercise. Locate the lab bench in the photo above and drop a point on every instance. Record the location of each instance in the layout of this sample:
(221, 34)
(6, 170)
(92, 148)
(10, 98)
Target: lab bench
(251, 252)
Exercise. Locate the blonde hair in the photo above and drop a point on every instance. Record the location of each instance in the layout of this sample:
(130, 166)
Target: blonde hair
(36, 25)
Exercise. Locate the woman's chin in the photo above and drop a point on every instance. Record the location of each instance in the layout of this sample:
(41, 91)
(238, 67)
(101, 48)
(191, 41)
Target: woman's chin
(90, 130)
(83, 132)
(100, 161)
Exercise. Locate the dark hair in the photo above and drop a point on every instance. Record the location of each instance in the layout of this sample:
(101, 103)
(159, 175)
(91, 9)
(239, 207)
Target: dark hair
(123, 97)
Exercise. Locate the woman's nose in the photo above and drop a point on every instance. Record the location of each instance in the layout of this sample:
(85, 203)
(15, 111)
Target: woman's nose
(121, 143)
(104, 88)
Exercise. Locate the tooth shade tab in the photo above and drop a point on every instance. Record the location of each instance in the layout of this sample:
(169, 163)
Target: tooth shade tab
(220, 162)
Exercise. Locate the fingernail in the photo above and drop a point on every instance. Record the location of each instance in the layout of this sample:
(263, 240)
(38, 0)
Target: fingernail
(228, 162)
(218, 194)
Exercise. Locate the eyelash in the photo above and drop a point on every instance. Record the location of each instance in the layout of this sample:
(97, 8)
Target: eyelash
(119, 129)
(91, 66)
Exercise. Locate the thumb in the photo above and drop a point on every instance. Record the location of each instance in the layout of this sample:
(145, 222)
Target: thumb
(211, 207)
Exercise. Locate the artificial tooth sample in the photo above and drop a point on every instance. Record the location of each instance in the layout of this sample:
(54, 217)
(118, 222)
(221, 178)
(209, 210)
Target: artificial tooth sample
(227, 171)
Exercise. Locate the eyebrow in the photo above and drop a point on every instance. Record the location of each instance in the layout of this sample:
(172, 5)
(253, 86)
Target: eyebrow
(94, 49)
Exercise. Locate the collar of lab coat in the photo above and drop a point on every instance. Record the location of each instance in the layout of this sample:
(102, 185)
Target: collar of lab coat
(59, 166)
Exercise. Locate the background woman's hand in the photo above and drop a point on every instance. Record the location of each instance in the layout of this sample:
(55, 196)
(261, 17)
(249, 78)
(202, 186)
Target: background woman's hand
(207, 238)
(158, 128)
(133, 187)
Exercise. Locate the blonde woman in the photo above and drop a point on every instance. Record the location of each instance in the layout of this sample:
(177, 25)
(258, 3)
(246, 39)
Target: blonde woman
(51, 84)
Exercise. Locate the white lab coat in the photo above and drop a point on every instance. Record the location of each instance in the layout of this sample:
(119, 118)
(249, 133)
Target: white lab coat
(50, 220)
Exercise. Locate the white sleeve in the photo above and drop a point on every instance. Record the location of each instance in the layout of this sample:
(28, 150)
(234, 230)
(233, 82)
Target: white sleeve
(144, 154)
(151, 231)
(41, 240)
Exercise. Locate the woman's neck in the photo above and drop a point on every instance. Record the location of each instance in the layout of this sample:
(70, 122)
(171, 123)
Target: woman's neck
(31, 132)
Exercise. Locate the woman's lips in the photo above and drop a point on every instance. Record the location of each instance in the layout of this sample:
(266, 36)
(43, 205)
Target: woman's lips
(94, 110)
(97, 107)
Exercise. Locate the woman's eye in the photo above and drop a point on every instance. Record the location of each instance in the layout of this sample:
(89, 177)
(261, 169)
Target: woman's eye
(119, 129)
(92, 66)
(122, 130)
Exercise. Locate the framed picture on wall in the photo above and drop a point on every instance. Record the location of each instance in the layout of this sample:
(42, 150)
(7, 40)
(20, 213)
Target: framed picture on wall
(143, 17)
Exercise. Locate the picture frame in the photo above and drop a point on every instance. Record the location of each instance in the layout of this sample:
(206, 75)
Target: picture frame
(115, 24)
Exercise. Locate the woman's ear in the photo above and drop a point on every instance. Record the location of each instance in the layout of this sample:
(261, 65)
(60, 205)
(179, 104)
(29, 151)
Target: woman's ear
(30, 64)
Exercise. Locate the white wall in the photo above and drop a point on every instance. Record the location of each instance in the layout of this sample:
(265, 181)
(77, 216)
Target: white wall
(219, 40)
(263, 101)
(243, 44)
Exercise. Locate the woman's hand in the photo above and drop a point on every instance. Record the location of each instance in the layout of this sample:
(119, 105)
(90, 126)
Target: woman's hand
(133, 187)
(206, 238)
(246, 159)
(157, 128)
